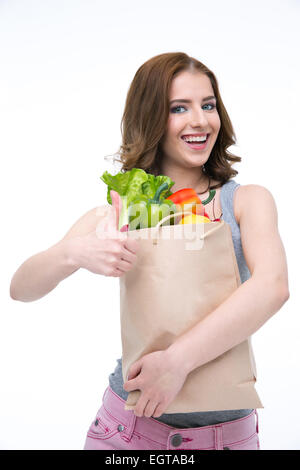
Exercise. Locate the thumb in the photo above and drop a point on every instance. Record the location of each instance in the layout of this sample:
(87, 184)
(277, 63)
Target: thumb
(134, 369)
(109, 226)
(117, 206)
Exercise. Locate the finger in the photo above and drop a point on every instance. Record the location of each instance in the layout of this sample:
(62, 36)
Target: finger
(131, 385)
(150, 408)
(134, 369)
(108, 224)
(113, 216)
(124, 266)
(131, 244)
(106, 228)
(140, 406)
(159, 410)
(131, 382)
(117, 273)
(110, 221)
(128, 256)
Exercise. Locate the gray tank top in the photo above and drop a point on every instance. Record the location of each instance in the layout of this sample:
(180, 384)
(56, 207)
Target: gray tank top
(207, 418)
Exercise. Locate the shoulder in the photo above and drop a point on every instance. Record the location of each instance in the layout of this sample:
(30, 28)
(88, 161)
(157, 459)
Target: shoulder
(88, 221)
(250, 198)
(261, 242)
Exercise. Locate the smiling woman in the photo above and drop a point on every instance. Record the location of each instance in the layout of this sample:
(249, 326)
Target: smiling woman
(172, 105)
(175, 124)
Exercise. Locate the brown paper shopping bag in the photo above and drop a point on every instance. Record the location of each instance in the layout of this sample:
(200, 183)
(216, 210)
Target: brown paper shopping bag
(174, 284)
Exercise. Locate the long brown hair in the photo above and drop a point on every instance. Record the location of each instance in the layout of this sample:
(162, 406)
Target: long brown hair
(146, 114)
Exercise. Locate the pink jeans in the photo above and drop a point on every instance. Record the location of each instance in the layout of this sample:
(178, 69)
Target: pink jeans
(117, 429)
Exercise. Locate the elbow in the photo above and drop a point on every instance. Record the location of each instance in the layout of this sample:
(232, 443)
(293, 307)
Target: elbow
(282, 294)
(12, 293)
(276, 290)
(285, 294)
(14, 296)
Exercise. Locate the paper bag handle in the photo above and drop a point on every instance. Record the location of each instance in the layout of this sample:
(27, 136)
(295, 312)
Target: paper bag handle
(170, 216)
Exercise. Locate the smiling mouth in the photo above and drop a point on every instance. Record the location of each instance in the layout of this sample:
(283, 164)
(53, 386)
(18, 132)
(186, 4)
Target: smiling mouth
(197, 145)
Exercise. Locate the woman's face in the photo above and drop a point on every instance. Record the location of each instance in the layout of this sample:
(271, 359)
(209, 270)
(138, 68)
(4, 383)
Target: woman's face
(198, 116)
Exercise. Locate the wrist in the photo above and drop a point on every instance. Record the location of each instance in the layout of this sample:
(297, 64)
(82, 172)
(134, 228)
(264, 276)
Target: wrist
(177, 359)
(68, 252)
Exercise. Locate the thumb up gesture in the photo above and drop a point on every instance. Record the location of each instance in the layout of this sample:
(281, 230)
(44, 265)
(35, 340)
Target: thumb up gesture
(107, 250)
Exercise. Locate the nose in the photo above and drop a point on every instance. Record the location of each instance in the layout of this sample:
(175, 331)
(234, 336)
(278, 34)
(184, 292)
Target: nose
(199, 118)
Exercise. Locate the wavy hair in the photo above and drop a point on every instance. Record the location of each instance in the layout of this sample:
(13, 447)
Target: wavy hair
(146, 114)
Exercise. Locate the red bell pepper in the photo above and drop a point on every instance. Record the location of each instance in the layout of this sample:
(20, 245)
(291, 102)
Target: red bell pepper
(188, 199)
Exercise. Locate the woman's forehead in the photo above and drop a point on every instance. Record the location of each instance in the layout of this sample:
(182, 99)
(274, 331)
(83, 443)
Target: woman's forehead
(190, 83)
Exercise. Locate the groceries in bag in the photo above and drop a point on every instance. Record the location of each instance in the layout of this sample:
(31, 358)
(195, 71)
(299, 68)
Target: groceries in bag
(147, 199)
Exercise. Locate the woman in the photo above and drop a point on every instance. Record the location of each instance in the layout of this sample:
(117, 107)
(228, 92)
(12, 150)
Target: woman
(173, 100)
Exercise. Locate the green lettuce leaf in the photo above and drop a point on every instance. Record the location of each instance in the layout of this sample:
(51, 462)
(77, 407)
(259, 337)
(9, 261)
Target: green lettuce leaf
(127, 185)
(132, 184)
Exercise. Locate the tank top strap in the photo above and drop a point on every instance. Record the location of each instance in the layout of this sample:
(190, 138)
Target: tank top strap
(226, 200)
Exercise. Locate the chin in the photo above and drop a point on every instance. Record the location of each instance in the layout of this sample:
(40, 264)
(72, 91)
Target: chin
(196, 160)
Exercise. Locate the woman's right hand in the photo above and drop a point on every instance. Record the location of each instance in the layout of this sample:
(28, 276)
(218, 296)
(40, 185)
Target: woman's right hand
(106, 250)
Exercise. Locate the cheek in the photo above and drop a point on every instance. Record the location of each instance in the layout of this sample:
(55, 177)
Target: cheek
(216, 122)
(175, 125)
(170, 137)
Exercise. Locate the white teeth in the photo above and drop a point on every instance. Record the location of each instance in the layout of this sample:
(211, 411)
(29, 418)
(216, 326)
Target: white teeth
(195, 139)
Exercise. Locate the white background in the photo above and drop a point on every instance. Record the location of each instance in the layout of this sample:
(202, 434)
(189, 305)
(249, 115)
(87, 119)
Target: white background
(66, 67)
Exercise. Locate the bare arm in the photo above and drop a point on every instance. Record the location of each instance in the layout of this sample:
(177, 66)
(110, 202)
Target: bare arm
(257, 299)
(42, 272)
(93, 243)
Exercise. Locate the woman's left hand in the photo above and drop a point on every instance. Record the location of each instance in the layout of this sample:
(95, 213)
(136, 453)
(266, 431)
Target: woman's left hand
(159, 379)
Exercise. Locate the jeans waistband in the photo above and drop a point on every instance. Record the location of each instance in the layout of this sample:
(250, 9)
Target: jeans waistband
(214, 436)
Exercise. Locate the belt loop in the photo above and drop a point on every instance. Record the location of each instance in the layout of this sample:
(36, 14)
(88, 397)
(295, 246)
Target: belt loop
(218, 437)
(127, 434)
(257, 428)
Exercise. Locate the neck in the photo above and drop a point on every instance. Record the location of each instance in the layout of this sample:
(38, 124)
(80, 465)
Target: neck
(188, 179)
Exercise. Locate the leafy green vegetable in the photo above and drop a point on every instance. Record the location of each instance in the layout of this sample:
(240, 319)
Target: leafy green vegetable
(150, 187)
(144, 212)
(133, 183)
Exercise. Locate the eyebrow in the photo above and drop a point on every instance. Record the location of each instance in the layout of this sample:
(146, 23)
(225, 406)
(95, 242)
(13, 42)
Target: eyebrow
(189, 101)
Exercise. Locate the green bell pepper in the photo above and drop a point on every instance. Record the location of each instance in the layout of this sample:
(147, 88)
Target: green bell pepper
(144, 212)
